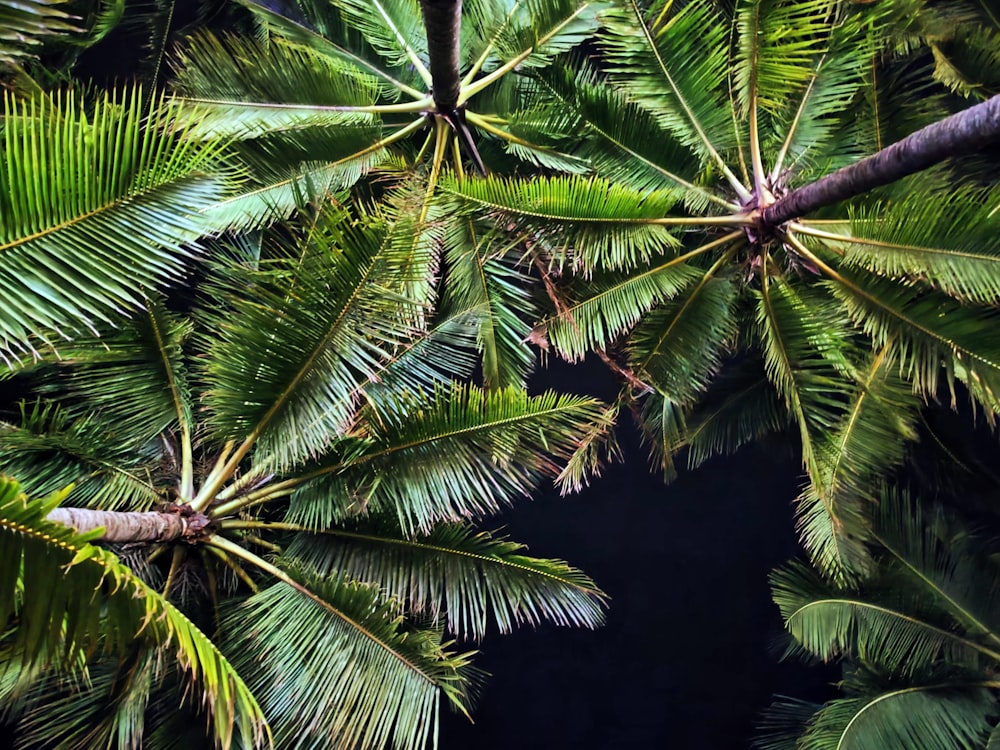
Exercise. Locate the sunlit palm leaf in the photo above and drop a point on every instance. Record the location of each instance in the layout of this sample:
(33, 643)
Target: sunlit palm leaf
(483, 279)
(949, 240)
(288, 361)
(583, 223)
(96, 207)
(779, 41)
(466, 578)
(675, 67)
(246, 88)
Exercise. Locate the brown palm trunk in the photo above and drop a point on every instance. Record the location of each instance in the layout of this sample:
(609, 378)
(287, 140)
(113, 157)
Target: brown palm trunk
(123, 527)
(964, 133)
(443, 22)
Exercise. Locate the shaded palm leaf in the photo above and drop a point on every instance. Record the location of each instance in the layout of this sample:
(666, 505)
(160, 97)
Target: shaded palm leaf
(24, 24)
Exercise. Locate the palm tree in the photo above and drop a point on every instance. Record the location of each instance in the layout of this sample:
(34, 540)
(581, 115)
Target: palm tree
(919, 641)
(330, 92)
(304, 446)
(721, 263)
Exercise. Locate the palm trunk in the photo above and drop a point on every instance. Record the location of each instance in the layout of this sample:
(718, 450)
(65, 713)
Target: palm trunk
(123, 527)
(964, 133)
(443, 22)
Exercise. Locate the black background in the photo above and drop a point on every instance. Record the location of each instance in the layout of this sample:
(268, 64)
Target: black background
(690, 652)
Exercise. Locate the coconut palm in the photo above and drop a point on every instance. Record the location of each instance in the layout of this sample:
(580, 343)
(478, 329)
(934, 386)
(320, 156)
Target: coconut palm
(737, 259)
(329, 92)
(294, 458)
(919, 641)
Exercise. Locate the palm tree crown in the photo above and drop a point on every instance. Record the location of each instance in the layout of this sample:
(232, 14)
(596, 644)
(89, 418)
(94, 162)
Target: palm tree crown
(727, 319)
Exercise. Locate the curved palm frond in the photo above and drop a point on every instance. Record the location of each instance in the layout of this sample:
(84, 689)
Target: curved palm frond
(457, 575)
(84, 233)
(675, 67)
(49, 448)
(483, 279)
(936, 717)
(331, 662)
(459, 453)
(58, 621)
(582, 223)
(287, 367)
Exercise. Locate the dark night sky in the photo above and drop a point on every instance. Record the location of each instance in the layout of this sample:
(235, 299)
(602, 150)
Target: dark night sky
(684, 659)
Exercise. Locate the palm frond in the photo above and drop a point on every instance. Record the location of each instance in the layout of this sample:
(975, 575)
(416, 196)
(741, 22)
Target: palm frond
(98, 205)
(582, 223)
(948, 240)
(25, 24)
(779, 41)
(595, 314)
(245, 88)
(933, 717)
(50, 448)
(286, 364)
(454, 574)
(50, 578)
(535, 31)
(805, 356)
(483, 280)
(830, 623)
(626, 143)
(740, 406)
(131, 381)
(333, 665)
(676, 68)
(317, 26)
(932, 336)
(460, 453)
(678, 348)
(393, 28)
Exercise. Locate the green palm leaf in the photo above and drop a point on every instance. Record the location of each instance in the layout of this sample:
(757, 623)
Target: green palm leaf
(679, 347)
(483, 279)
(334, 667)
(50, 448)
(779, 41)
(885, 630)
(676, 68)
(246, 88)
(316, 25)
(932, 717)
(463, 452)
(583, 223)
(931, 334)
(50, 577)
(948, 240)
(288, 362)
(97, 205)
(740, 406)
(455, 574)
